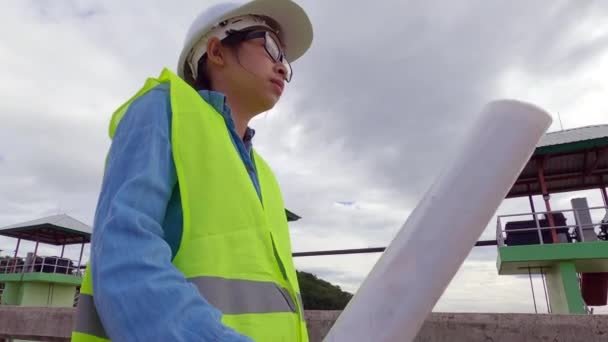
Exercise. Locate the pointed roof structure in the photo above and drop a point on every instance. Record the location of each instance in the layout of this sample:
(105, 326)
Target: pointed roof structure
(572, 160)
(573, 139)
(55, 230)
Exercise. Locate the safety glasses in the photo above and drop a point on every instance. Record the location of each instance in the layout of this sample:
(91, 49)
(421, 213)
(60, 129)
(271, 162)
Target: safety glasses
(273, 50)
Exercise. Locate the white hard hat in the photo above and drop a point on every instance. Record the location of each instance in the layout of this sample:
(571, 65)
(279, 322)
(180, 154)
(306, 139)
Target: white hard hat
(295, 29)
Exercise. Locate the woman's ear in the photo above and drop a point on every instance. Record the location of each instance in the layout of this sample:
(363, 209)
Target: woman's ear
(215, 52)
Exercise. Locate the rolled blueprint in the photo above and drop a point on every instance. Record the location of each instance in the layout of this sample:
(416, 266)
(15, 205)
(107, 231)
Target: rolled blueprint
(408, 279)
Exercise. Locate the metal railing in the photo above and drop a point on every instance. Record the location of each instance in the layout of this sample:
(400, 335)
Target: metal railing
(40, 264)
(566, 224)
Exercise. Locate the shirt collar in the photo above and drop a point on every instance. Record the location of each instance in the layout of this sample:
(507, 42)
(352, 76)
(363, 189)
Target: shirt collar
(218, 101)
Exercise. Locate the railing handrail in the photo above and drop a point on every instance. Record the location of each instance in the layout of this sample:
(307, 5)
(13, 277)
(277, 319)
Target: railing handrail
(13, 265)
(551, 212)
(578, 226)
(539, 228)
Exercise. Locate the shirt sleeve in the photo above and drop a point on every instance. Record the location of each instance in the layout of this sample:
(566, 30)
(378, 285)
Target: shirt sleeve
(139, 294)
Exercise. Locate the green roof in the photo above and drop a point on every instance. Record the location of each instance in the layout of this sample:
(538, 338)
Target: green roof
(574, 139)
(54, 230)
(574, 159)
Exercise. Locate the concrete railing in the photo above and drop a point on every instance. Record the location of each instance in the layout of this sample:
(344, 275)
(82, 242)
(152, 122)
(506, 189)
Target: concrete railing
(37, 324)
(54, 324)
(489, 327)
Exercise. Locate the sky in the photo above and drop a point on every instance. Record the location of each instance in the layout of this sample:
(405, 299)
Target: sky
(375, 107)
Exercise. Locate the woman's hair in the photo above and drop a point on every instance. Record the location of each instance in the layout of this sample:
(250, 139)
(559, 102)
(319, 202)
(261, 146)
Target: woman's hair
(203, 82)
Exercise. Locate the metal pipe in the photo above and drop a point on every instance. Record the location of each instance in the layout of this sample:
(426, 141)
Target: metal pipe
(542, 273)
(532, 287)
(340, 251)
(481, 243)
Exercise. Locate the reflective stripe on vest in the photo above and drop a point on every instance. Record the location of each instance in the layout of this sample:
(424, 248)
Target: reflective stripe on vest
(234, 297)
(230, 296)
(234, 248)
(87, 319)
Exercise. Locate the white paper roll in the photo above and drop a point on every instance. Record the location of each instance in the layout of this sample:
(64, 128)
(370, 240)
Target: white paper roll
(406, 282)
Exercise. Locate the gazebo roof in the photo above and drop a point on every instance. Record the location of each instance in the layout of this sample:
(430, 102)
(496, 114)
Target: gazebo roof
(54, 230)
(573, 159)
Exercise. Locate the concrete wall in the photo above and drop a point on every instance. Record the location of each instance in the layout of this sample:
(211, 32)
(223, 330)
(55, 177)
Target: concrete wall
(54, 324)
(10, 295)
(467, 327)
(37, 324)
(47, 294)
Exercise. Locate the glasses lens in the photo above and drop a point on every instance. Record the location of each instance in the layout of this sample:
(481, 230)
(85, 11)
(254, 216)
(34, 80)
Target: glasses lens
(273, 49)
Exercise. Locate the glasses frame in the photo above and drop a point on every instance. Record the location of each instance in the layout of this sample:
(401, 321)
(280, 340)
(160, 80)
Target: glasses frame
(268, 39)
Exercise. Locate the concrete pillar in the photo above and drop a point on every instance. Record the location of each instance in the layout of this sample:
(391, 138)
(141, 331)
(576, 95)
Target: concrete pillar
(564, 290)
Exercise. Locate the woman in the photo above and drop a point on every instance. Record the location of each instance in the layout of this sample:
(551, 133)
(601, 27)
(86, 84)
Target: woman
(190, 238)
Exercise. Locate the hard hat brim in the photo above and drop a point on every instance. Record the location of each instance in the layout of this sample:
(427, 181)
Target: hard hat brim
(295, 27)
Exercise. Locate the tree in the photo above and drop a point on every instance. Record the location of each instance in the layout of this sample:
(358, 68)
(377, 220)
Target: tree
(318, 294)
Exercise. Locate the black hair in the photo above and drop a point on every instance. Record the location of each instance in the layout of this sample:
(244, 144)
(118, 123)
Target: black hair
(202, 81)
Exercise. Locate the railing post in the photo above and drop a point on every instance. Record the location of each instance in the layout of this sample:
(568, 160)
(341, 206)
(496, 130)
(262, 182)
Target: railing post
(499, 238)
(15, 257)
(540, 234)
(35, 256)
(55, 268)
(80, 258)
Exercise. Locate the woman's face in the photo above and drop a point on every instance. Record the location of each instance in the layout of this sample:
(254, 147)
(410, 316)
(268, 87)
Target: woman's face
(251, 69)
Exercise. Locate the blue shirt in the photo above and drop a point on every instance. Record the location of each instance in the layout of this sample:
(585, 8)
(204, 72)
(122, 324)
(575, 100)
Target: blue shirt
(139, 294)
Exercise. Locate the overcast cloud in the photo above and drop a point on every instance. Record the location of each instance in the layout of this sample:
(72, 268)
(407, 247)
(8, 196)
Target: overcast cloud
(374, 109)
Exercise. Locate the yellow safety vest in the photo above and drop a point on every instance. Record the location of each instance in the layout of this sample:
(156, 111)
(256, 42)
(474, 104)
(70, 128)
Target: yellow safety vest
(235, 248)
